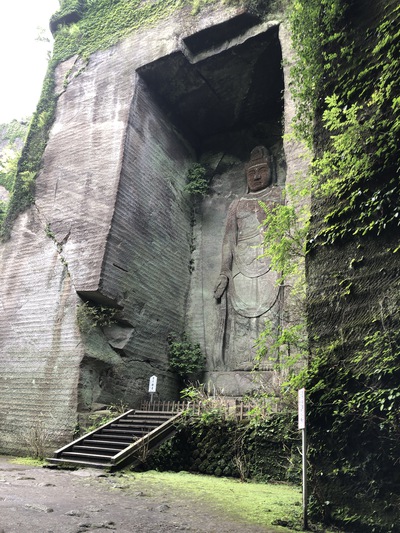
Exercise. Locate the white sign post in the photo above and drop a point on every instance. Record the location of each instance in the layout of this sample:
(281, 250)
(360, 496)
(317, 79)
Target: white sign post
(152, 387)
(302, 427)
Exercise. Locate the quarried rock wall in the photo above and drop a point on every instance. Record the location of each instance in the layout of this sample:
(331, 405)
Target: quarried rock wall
(39, 340)
(148, 252)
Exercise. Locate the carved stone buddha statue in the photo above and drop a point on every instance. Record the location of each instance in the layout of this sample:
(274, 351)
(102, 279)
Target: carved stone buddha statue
(246, 291)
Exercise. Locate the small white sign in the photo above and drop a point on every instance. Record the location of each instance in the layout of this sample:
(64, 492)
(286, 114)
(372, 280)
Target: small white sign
(153, 384)
(302, 408)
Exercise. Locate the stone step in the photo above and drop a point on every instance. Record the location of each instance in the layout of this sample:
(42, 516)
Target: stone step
(105, 442)
(150, 415)
(124, 431)
(136, 425)
(86, 456)
(123, 439)
(152, 421)
(95, 449)
(75, 462)
(99, 448)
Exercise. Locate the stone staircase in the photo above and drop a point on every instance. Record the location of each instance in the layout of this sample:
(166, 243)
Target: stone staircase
(126, 440)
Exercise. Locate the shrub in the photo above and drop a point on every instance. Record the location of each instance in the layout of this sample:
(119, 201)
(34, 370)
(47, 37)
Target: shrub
(185, 358)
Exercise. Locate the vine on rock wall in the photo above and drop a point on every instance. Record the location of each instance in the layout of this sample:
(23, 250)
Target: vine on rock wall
(355, 432)
(98, 24)
(32, 152)
(351, 80)
(347, 89)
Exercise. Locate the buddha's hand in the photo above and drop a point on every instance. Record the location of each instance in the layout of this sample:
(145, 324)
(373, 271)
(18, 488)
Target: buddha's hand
(220, 286)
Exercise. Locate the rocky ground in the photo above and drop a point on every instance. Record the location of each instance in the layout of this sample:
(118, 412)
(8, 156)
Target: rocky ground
(43, 500)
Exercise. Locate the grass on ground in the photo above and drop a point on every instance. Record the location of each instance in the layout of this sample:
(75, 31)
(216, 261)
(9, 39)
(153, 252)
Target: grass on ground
(268, 504)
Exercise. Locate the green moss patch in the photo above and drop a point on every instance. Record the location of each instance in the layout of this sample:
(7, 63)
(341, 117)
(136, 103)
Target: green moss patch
(247, 502)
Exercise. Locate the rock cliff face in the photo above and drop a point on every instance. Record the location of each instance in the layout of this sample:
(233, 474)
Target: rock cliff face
(98, 271)
(354, 274)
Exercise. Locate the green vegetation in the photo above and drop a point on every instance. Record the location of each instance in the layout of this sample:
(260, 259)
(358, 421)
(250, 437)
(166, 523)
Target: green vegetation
(90, 316)
(100, 418)
(285, 240)
(32, 152)
(38, 437)
(28, 461)
(197, 183)
(346, 86)
(80, 27)
(185, 358)
(99, 24)
(14, 133)
(8, 167)
(355, 427)
(263, 504)
(12, 138)
(276, 506)
(215, 438)
(350, 79)
(70, 11)
(215, 443)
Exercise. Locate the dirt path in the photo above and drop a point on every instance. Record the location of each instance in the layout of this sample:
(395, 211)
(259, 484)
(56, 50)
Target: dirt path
(42, 500)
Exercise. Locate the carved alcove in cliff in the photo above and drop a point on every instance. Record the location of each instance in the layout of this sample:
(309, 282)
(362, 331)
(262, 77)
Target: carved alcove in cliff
(222, 93)
(111, 223)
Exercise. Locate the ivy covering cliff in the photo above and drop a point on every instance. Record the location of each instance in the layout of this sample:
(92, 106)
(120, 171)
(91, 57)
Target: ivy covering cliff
(347, 90)
(12, 138)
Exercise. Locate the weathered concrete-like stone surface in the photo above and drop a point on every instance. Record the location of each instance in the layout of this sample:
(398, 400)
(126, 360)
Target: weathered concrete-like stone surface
(39, 346)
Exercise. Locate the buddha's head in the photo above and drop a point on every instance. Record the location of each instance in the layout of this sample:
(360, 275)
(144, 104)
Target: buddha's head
(258, 170)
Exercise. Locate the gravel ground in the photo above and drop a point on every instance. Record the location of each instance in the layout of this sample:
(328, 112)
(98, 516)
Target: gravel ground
(47, 500)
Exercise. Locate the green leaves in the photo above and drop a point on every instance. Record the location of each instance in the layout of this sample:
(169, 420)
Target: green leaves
(90, 316)
(197, 183)
(284, 239)
(184, 357)
(313, 24)
(353, 84)
(102, 23)
(348, 111)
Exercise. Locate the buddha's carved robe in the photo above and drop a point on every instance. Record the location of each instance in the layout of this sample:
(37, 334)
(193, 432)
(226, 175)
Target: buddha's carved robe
(252, 289)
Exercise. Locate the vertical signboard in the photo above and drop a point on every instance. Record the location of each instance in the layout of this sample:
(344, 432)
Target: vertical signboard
(152, 387)
(302, 408)
(153, 384)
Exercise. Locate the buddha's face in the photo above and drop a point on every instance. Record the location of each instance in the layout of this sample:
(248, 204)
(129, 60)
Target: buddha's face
(258, 177)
